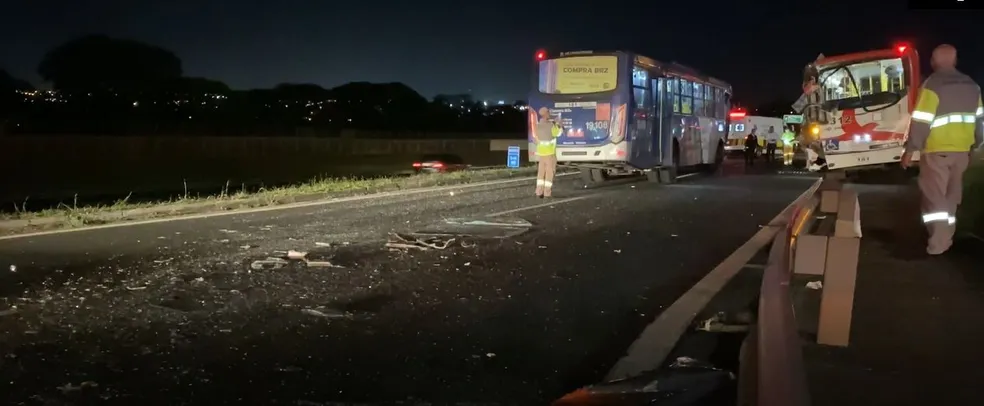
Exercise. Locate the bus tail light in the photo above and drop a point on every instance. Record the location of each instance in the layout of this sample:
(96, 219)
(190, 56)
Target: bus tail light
(736, 114)
(902, 48)
(541, 55)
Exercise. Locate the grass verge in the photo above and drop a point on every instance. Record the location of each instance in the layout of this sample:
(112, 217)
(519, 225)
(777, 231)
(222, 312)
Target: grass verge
(72, 216)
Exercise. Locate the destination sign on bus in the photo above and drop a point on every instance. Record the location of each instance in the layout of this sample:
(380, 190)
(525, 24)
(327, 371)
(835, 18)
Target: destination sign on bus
(579, 74)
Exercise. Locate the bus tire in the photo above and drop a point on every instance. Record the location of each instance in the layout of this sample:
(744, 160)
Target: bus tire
(718, 158)
(590, 175)
(667, 175)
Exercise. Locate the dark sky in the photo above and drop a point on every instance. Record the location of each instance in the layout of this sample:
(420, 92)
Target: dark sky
(485, 47)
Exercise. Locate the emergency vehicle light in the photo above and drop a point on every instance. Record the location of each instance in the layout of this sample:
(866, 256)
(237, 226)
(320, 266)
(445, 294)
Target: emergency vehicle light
(902, 48)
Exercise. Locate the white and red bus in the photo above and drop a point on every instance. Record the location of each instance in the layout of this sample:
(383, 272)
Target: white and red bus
(857, 107)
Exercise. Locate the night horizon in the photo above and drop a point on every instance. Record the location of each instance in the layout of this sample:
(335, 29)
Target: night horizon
(250, 45)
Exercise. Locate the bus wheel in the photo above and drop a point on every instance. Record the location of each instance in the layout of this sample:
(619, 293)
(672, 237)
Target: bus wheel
(718, 158)
(589, 175)
(668, 174)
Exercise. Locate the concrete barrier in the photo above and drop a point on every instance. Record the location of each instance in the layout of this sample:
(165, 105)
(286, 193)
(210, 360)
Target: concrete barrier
(828, 245)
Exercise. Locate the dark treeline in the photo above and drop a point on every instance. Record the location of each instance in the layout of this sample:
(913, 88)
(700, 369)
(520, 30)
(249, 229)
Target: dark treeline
(106, 86)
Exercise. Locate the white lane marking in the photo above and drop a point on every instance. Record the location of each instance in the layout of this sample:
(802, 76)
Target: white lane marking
(650, 349)
(688, 175)
(279, 207)
(537, 206)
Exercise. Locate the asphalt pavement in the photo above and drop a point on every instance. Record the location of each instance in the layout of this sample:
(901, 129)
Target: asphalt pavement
(173, 313)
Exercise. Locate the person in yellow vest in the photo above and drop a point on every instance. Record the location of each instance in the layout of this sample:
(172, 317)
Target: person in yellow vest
(546, 132)
(788, 138)
(945, 129)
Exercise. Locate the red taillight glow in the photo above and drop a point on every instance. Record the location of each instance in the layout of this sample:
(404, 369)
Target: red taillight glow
(902, 48)
(417, 164)
(437, 165)
(541, 54)
(736, 114)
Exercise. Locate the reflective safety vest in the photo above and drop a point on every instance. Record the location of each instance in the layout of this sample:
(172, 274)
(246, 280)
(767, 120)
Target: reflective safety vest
(548, 147)
(947, 114)
(788, 137)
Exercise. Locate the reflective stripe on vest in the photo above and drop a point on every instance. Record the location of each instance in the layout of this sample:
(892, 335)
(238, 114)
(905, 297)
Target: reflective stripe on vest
(546, 148)
(951, 132)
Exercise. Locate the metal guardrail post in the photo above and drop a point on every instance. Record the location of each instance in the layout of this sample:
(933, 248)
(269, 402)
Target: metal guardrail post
(781, 376)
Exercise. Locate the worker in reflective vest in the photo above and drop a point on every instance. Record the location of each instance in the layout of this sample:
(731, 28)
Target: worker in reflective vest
(788, 138)
(546, 132)
(945, 129)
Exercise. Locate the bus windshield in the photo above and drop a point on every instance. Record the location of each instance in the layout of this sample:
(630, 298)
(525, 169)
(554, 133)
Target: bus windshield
(578, 74)
(862, 84)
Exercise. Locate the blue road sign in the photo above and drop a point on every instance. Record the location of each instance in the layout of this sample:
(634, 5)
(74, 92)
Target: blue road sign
(512, 157)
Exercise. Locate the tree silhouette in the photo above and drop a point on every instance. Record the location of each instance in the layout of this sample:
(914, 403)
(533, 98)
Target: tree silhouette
(9, 83)
(101, 63)
(200, 86)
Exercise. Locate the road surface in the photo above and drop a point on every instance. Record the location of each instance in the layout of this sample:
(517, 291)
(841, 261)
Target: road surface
(173, 311)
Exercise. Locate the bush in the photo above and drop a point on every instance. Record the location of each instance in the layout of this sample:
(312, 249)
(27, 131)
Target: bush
(970, 215)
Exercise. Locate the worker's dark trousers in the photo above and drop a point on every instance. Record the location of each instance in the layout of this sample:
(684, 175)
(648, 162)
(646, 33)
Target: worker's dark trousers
(749, 156)
(770, 152)
(941, 184)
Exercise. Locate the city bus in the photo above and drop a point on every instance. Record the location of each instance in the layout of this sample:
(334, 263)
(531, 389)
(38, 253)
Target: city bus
(623, 113)
(857, 108)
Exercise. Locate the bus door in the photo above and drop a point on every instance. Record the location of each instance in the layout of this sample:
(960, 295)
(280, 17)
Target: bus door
(643, 120)
(657, 116)
(669, 105)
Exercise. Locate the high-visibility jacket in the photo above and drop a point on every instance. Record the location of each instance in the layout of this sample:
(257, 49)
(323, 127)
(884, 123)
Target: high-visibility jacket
(546, 137)
(788, 137)
(948, 114)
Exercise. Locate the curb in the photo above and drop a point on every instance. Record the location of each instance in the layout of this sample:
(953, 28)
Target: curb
(246, 205)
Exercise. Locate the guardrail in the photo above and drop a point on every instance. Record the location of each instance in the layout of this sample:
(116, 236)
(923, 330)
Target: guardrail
(813, 243)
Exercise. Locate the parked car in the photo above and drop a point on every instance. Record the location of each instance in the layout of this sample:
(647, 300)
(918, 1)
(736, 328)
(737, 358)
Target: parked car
(439, 163)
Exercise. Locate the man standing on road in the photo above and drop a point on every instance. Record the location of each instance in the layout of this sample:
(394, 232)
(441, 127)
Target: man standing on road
(546, 132)
(788, 138)
(771, 140)
(945, 129)
(751, 145)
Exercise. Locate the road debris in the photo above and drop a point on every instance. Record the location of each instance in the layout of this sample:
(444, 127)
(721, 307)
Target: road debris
(268, 264)
(406, 242)
(68, 387)
(326, 313)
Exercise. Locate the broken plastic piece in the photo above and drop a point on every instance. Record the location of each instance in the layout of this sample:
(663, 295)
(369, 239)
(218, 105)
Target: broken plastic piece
(269, 263)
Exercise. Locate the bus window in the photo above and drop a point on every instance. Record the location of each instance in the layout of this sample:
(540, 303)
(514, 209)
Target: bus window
(639, 77)
(672, 89)
(708, 101)
(699, 99)
(686, 97)
(578, 74)
(866, 83)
